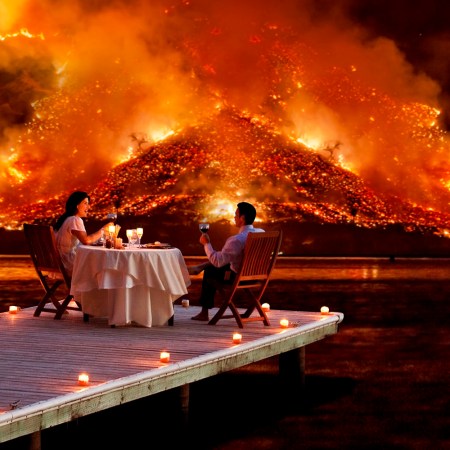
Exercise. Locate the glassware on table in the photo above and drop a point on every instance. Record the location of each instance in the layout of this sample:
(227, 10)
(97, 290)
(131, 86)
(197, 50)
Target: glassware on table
(204, 227)
(102, 239)
(134, 238)
(139, 233)
(129, 236)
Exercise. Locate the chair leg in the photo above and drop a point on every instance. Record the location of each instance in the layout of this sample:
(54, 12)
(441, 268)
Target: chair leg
(220, 314)
(49, 296)
(62, 307)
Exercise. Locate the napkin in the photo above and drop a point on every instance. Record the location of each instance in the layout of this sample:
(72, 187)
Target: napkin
(117, 231)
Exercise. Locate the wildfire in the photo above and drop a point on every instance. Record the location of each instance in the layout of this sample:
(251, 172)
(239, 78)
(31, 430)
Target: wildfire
(24, 33)
(224, 109)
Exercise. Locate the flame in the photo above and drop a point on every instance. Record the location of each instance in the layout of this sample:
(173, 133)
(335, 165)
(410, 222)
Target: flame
(24, 33)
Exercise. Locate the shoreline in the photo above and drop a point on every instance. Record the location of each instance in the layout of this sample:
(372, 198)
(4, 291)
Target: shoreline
(302, 239)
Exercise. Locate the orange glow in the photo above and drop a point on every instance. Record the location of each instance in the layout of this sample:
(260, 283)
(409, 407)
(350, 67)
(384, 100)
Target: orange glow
(225, 109)
(164, 357)
(83, 379)
(237, 338)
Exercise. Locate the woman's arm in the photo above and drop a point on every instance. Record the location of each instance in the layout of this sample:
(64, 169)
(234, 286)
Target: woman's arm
(87, 239)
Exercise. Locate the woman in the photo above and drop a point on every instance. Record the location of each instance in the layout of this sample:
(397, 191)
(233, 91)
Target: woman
(70, 229)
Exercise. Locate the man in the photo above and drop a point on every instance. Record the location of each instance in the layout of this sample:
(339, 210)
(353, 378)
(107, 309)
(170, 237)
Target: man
(223, 265)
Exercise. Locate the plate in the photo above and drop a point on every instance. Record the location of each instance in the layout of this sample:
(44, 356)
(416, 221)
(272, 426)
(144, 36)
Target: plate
(159, 245)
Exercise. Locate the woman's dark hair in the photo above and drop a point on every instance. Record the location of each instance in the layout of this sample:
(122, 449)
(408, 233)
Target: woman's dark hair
(248, 211)
(71, 207)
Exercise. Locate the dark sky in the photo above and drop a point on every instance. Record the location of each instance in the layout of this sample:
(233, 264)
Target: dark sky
(421, 29)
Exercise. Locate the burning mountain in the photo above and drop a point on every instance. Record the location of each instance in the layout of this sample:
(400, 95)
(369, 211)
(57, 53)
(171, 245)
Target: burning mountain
(191, 107)
(194, 176)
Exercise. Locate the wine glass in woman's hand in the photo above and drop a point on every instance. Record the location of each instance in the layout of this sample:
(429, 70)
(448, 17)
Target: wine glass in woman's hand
(204, 227)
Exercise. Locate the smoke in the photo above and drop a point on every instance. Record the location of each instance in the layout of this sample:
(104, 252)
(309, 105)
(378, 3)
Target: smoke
(91, 76)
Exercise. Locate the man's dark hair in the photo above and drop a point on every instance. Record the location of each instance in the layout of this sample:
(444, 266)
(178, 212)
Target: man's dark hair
(247, 210)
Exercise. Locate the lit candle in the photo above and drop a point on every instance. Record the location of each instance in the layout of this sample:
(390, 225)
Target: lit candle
(237, 338)
(265, 307)
(284, 323)
(83, 379)
(112, 229)
(185, 303)
(13, 309)
(164, 357)
(324, 310)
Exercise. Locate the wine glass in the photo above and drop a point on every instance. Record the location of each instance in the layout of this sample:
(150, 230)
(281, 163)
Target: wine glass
(204, 227)
(129, 236)
(134, 237)
(102, 239)
(139, 233)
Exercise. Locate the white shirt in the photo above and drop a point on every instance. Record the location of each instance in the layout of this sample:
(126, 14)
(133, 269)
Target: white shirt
(67, 243)
(233, 249)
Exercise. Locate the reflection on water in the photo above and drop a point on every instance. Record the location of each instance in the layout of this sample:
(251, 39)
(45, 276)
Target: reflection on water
(363, 268)
(348, 285)
(21, 268)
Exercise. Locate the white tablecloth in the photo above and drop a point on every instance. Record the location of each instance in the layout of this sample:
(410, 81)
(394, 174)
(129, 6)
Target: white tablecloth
(129, 286)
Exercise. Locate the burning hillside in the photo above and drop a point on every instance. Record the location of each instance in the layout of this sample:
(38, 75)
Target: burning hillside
(203, 171)
(190, 107)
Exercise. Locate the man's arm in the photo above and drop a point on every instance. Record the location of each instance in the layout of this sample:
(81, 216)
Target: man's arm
(230, 252)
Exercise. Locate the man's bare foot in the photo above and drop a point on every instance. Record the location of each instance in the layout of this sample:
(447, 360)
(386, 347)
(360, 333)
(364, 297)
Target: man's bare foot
(201, 316)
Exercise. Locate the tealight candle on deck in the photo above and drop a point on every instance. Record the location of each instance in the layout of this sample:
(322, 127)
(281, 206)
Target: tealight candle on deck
(13, 309)
(237, 338)
(164, 357)
(324, 310)
(185, 303)
(83, 379)
(265, 307)
(284, 323)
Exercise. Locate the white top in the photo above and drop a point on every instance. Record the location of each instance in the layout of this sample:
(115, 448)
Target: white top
(233, 249)
(67, 243)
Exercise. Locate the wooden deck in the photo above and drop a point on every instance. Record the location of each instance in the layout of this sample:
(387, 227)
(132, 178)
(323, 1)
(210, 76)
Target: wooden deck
(41, 358)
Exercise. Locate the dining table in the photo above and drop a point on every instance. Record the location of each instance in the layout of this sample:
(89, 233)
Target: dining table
(129, 286)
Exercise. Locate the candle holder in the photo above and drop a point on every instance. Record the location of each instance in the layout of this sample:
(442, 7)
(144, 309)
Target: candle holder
(83, 379)
(284, 323)
(324, 310)
(237, 338)
(265, 307)
(164, 357)
(13, 309)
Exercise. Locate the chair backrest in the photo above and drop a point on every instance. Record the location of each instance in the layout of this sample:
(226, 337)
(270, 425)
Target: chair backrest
(43, 251)
(260, 253)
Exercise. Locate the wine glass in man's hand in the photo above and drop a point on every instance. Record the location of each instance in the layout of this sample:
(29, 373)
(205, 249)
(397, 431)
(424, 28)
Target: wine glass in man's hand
(204, 227)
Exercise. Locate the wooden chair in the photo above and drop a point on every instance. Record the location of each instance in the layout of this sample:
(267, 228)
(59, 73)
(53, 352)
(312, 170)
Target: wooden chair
(49, 268)
(260, 253)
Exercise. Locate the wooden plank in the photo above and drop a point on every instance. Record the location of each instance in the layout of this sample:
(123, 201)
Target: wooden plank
(40, 360)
